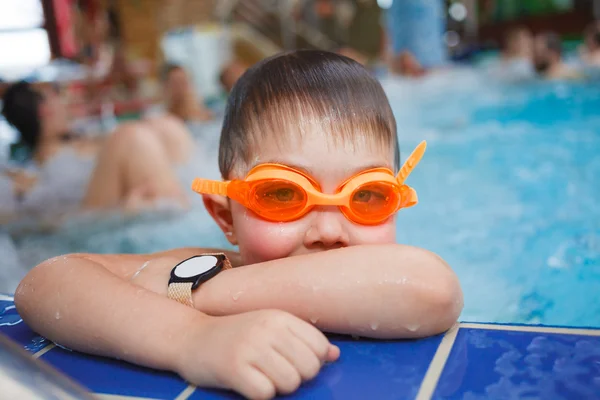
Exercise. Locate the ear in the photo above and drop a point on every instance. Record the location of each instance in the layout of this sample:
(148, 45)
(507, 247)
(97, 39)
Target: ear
(219, 209)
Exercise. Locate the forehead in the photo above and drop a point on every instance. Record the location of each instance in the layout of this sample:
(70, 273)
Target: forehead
(324, 158)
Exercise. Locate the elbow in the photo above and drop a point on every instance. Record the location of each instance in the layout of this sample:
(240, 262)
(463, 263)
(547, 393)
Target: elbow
(446, 303)
(36, 284)
(438, 294)
(26, 290)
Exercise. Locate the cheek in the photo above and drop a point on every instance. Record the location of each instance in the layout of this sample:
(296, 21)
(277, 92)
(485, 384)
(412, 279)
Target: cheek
(260, 240)
(378, 234)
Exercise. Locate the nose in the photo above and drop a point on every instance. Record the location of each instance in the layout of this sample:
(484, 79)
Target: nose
(327, 230)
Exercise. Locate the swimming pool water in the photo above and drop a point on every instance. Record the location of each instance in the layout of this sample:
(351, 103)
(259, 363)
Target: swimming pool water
(509, 194)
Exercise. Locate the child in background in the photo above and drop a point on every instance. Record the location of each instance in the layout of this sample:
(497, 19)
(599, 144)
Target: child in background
(299, 128)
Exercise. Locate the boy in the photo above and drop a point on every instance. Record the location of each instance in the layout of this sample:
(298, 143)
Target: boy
(323, 120)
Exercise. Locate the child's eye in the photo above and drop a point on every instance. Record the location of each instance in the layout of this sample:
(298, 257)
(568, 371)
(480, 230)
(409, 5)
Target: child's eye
(279, 194)
(362, 196)
(365, 196)
(282, 194)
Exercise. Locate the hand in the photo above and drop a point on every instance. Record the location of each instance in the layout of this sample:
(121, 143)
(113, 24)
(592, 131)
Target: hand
(257, 354)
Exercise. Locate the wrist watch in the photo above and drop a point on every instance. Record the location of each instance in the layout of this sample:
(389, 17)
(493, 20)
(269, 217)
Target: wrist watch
(189, 274)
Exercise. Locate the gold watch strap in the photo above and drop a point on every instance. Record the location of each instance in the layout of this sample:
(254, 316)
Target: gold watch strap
(182, 291)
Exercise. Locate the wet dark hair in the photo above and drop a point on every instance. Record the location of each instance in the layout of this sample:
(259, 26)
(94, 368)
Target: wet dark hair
(21, 106)
(278, 95)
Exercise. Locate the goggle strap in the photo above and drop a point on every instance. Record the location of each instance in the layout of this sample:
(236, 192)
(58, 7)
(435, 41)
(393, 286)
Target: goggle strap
(411, 162)
(204, 186)
(411, 199)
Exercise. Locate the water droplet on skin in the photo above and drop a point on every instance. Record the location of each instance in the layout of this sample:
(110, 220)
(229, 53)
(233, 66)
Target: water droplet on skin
(314, 320)
(374, 325)
(57, 315)
(413, 327)
(236, 296)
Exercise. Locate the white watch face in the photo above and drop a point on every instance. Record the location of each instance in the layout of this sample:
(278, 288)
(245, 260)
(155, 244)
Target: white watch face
(196, 266)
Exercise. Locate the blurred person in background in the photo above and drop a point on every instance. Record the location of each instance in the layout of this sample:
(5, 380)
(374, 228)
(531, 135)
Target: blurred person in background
(516, 56)
(590, 50)
(518, 45)
(181, 100)
(230, 74)
(548, 57)
(406, 64)
(113, 74)
(136, 162)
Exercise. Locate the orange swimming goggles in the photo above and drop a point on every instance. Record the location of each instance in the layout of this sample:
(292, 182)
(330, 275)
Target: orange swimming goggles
(280, 193)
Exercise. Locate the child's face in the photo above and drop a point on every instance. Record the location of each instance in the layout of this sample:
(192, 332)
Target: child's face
(325, 227)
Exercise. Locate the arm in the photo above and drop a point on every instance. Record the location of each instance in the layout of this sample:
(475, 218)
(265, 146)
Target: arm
(87, 302)
(92, 296)
(382, 291)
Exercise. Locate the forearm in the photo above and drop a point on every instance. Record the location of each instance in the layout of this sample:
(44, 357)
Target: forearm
(386, 291)
(88, 308)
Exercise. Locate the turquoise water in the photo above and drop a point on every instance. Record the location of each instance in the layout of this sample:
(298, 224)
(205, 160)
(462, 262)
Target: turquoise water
(509, 196)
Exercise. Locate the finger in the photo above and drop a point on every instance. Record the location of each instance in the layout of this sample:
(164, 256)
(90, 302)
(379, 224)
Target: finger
(333, 354)
(279, 371)
(253, 384)
(313, 338)
(302, 357)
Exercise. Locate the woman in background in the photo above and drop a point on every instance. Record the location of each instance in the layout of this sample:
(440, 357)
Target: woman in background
(134, 163)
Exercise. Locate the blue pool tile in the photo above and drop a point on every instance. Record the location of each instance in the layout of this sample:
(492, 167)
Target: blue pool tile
(107, 376)
(497, 364)
(367, 369)
(13, 327)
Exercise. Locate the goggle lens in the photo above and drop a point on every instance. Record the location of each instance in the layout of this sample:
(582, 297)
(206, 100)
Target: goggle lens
(277, 199)
(375, 201)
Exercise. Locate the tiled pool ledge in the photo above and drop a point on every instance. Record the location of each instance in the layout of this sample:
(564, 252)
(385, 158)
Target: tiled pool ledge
(470, 361)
